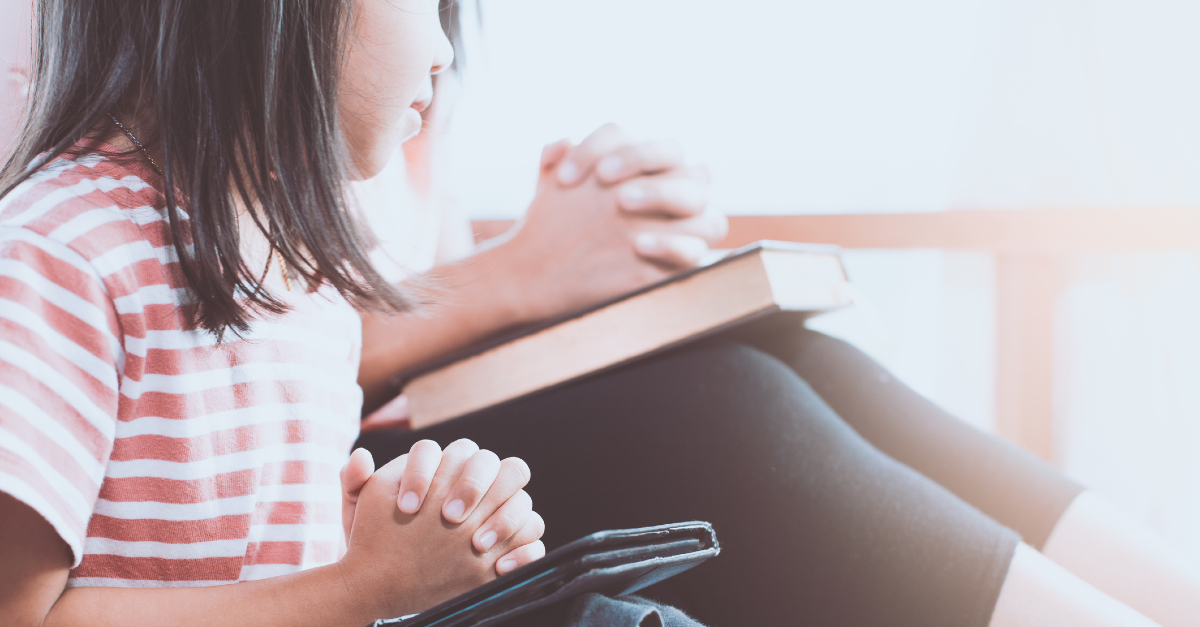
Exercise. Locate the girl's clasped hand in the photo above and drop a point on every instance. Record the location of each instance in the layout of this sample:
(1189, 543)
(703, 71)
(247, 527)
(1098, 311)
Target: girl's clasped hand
(434, 523)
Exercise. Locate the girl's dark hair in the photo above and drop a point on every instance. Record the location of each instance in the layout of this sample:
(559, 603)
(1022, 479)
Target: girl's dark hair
(241, 97)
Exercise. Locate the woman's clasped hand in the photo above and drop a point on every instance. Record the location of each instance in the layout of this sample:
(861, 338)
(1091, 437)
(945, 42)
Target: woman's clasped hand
(434, 523)
(610, 215)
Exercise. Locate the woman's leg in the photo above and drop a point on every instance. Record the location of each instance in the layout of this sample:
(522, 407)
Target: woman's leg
(1038, 592)
(1072, 527)
(1127, 561)
(817, 527)
(1003, 481)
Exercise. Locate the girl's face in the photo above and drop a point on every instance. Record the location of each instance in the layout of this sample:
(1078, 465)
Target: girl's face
(395, 49)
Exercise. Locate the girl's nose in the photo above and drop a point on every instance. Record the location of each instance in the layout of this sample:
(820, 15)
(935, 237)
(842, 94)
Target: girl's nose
(444, 55)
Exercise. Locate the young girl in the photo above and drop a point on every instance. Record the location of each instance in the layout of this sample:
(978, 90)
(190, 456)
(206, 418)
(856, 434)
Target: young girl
(178, 337)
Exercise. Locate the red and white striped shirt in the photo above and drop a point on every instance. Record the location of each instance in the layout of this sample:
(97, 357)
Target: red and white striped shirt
(162, 457)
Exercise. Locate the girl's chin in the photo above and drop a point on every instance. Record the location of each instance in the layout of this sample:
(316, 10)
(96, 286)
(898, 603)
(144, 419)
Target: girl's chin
(372, 159)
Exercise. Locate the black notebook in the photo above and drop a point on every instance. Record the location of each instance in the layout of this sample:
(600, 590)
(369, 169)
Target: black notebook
(608, 562)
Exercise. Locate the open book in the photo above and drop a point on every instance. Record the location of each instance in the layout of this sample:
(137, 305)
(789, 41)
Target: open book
(752, 282)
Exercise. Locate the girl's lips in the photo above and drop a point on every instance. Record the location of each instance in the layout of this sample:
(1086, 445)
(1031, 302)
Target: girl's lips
(421, 105)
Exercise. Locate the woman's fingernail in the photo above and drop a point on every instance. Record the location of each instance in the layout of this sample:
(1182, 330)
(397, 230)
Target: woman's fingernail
(568, 172)
(487, 540)
(410, 502)
(610, 167)
(632, 195)
(507, 565)
(455, 509)
(646, 243)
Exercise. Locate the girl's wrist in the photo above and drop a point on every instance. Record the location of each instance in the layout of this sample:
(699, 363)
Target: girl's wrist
(361, 595)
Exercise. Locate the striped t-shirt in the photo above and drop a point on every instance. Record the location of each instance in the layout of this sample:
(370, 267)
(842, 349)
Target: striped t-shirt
(160, 456)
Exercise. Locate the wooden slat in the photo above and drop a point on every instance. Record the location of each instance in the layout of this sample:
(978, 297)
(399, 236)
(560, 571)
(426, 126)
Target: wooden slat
(1031, 231)
(1052, 232)
(1027, 291)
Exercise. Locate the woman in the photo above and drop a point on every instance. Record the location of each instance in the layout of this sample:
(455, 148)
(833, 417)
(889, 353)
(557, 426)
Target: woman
(213, 304)
(656, 403)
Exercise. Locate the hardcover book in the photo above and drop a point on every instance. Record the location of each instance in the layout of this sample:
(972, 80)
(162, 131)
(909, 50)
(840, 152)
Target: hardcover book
(758, 280)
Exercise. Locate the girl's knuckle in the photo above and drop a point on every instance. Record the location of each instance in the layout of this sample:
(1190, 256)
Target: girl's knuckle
(527, 534)
(418, 475)
(463, 447)
(518, 466)
(428, 447)
(504, 524)
(538, 549)
(471, 488)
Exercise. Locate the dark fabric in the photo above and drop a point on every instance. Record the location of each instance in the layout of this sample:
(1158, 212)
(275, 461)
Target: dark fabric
(816, 525)
(1002, 480)
(595, 610)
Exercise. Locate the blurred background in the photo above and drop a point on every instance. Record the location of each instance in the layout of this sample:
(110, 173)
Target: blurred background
(1017, 183)
(1086, 108)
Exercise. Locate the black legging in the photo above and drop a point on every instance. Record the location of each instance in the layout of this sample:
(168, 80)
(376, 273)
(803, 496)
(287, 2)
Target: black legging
(817, 525)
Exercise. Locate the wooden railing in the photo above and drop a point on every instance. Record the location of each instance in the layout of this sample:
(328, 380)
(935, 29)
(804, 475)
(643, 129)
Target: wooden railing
(1031, 248)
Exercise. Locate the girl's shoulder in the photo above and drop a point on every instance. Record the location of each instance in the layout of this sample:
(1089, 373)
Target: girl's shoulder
(73, 192)
(93, 210)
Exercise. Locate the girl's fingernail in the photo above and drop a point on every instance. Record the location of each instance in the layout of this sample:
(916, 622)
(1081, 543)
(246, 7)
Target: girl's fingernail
(646, 243)
(568, 172)
(610, 167)
(410, 502)
(487, 540)
(455, 509)
(507, 565)
(632, 195)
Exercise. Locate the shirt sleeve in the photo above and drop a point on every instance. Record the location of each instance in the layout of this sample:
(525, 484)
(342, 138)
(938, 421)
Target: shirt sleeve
(60, 362)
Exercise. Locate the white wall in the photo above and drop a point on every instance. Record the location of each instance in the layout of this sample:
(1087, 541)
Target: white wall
(1129, 393)
(14, 53)
(856, 105)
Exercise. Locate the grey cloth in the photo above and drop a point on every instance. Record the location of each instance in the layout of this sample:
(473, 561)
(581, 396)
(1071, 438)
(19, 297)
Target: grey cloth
(597, 610)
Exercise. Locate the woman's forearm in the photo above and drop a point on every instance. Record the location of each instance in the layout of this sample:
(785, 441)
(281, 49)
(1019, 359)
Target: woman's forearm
(316, 597)
(466, 301)
(575, 246)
